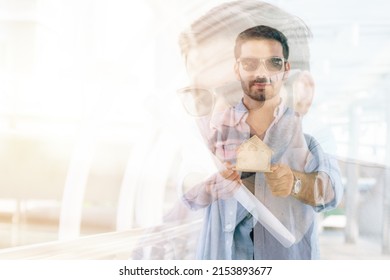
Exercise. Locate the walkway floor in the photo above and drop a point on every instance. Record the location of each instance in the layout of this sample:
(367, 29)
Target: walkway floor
(334, 247)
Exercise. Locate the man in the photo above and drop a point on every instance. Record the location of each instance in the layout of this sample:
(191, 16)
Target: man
(303, 180)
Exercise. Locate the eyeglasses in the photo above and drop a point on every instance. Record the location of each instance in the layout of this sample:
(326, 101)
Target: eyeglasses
(199, 102)
(271, 64)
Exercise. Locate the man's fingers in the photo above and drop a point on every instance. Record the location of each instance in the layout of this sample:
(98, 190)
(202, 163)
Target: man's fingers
(278, 171)
(274, 167)
(282, 184)
(280, 180)
(226, 188)
(282, 193)
(234, 176)
(230, 174)
(226, 184)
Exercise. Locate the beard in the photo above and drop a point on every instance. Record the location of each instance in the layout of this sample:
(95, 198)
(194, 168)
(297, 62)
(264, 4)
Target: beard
(257, 94)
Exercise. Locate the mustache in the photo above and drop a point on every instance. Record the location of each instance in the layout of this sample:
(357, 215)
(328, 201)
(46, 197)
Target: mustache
(260, 80)
(268, 80)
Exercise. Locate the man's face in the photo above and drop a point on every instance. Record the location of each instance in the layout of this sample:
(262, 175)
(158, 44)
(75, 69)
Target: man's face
(213, 86)
(261, 69)
(210, 68)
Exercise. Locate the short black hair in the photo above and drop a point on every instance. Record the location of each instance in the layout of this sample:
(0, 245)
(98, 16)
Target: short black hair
(261, 32)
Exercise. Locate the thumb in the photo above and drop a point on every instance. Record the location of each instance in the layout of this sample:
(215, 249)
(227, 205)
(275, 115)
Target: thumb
(274, 167)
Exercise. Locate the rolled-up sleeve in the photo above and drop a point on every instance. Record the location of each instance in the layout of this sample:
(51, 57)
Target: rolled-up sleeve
(328, 172)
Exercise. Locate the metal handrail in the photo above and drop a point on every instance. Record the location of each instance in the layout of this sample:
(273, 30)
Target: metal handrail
(113, 245)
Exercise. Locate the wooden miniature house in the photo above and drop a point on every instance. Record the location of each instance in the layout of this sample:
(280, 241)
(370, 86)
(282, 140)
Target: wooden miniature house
(254, 156)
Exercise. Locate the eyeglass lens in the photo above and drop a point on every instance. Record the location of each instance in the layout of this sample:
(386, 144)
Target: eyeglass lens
(272, 64)
(200, 101)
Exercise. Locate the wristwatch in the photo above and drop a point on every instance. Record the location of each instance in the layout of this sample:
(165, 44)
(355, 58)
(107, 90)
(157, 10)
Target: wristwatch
(297, 186)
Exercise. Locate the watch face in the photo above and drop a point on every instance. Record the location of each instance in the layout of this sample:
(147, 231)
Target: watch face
(297, 186)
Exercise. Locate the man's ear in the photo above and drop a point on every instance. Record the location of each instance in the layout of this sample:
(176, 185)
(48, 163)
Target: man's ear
(304, 85)
(287, 68)
(237, 71)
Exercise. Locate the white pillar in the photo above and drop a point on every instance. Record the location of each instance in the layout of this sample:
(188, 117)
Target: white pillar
(386, 191)
(352, 191)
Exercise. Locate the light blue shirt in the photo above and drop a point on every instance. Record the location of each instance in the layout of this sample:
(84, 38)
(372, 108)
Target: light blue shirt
(227, 225)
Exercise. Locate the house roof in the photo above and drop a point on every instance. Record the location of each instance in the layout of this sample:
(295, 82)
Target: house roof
(254, 140)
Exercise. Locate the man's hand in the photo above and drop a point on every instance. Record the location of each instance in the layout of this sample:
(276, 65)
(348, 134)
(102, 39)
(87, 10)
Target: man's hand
(280, 180)
(225, 184)
(230, 173)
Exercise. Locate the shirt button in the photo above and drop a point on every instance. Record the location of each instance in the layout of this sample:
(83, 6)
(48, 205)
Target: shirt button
(231, 213)
(228, 227)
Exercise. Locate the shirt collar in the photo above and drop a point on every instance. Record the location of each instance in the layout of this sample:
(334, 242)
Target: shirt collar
(234, 115)
(280, 110)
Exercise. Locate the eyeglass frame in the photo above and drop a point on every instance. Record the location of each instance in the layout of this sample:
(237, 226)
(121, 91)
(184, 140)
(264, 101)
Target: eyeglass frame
(213, 91)
(262, 62)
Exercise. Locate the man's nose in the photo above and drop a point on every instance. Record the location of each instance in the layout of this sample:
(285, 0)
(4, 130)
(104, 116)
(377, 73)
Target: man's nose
(261, 71)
